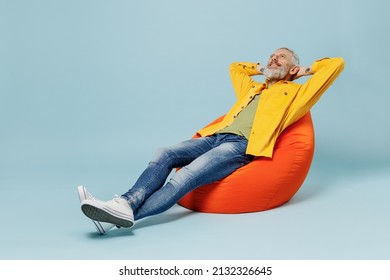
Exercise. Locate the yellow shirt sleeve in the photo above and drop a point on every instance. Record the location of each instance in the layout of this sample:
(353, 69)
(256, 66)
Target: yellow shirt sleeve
(240, 75)
(325, 71)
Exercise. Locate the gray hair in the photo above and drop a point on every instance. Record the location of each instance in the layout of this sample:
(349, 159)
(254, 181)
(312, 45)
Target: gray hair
(295, 58)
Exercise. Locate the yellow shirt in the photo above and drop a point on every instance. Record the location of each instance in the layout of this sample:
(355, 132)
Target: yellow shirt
(242, 125)
(280, 105)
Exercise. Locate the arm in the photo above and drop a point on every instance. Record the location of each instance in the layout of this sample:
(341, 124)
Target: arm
(240, 75)
(323, 73)
(303, 71)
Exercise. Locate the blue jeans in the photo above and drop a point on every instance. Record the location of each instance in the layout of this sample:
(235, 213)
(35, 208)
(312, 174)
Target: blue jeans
(203, 160)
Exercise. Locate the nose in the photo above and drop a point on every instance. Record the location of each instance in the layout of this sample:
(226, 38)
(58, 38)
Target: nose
(274, 59)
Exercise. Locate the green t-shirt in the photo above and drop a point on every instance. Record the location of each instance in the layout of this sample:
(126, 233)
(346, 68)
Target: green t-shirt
(242, 124)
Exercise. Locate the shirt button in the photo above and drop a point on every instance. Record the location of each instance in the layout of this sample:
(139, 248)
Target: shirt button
(285, 93)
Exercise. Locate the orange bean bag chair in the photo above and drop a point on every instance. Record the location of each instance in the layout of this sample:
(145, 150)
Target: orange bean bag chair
(264, 183)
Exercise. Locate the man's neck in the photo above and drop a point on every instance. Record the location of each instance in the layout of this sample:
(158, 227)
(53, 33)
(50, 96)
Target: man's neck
(269, 83)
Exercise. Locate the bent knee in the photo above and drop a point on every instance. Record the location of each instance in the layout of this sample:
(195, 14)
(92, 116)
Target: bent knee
(161, 154)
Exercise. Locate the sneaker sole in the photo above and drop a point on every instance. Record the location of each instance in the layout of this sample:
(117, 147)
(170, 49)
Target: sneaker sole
(82, 196)
(100, 213)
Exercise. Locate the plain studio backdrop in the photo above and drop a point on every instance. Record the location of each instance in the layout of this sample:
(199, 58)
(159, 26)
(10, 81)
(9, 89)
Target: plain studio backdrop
(89, 89)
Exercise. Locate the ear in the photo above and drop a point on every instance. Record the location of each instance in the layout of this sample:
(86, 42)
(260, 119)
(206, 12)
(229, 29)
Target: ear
(294, 70)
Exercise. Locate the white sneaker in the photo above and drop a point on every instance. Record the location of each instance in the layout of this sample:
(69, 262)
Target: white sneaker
(116, 211)
(101, 227)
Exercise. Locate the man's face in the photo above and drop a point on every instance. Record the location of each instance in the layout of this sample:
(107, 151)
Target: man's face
(278, 65)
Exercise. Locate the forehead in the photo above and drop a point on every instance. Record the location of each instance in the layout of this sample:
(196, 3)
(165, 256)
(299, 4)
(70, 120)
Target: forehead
(283, 51)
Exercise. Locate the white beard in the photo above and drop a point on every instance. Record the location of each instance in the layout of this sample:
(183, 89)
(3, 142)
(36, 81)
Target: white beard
(275, 74)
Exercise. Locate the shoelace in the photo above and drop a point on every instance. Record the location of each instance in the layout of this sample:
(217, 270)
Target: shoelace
(91, 197)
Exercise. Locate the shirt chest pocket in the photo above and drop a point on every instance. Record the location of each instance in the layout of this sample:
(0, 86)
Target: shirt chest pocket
(276, 102)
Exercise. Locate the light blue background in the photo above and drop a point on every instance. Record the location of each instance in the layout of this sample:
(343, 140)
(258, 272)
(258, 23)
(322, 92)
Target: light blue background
(89, 89)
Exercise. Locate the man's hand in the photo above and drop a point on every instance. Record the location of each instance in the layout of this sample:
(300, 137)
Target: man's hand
(303, 71)
(260, 68)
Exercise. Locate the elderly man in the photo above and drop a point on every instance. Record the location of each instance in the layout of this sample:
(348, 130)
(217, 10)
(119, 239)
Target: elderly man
(250, 128)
